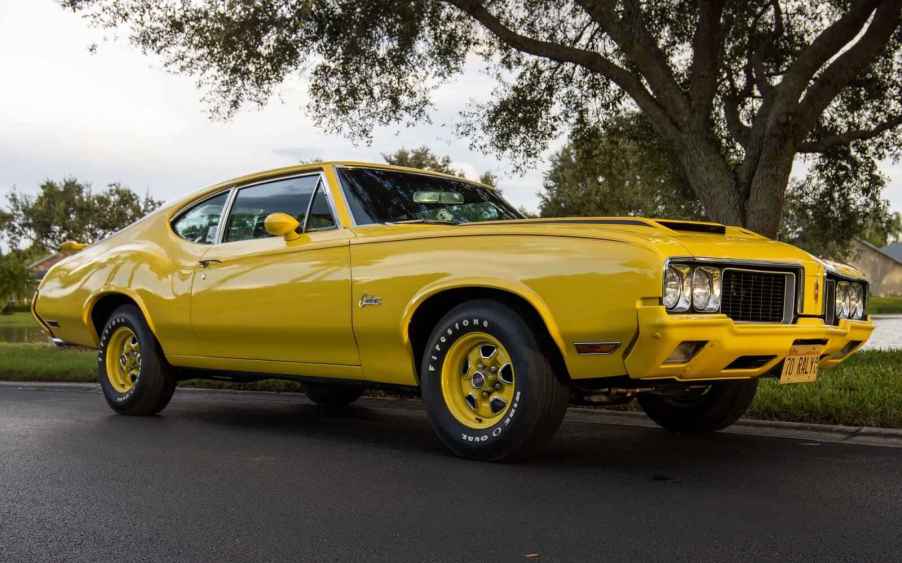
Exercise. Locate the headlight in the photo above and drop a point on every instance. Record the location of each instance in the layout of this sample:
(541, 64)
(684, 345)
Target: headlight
(850, 300)
(673, 287)
(842, 300)
(706, 289)
(677, 288)
(691, 288)
(856, 301)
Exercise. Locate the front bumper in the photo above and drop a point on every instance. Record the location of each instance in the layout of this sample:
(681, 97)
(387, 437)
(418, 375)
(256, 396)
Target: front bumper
(660, 333)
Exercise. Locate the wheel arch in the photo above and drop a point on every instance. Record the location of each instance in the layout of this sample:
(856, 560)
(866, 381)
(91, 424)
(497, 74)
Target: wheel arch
(428, 307)
(102, 305)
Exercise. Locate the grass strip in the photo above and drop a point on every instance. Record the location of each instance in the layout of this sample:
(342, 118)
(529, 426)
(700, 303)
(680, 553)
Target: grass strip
(866, 390)
(885, 305)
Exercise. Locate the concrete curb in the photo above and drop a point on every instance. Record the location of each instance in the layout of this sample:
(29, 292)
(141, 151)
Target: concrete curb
(809, 432)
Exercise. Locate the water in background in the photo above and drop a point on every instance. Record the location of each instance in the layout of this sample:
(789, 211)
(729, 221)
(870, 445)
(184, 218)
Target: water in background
(19, 334)
(887, 333)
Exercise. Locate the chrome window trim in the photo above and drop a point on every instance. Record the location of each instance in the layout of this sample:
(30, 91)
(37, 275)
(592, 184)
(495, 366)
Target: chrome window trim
(227, 210)
(238, 188)
(789, 293)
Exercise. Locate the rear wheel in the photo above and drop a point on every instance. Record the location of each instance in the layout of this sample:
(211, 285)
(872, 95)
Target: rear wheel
(332, 395)
(134, 375)
(488, 385)
(710, 408)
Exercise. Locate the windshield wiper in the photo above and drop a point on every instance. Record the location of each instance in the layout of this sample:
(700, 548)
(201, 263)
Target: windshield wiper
(423, 221)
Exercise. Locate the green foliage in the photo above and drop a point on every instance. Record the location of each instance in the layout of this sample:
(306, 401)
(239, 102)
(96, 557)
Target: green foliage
(424, 159)
(619, 168)
(737, 88)
(622, 168)
(838, 201)
(69, 210)
(15, 280)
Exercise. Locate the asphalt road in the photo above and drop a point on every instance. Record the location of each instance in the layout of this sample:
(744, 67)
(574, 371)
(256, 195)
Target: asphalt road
(256, 477)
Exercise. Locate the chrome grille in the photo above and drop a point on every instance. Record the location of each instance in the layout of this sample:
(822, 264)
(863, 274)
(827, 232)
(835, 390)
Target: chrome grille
(758, 296)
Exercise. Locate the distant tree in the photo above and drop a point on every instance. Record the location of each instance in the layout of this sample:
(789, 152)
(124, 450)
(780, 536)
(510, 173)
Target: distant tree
(15, 279)
(619, 168)
(623, 168)
(425, 159)
(69, 210)
(824, 219)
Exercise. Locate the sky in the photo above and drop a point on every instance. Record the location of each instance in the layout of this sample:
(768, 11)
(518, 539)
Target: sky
(117, 116)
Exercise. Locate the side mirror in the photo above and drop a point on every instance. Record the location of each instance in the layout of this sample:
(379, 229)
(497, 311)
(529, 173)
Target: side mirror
(71, 247)
(282, 225)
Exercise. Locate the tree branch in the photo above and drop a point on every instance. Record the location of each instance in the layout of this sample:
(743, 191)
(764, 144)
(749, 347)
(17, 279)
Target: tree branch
(849, 64)
(826, 143)
(739, 130)
(642, 50)
(706, 51)
(589, 60)
(826, 45)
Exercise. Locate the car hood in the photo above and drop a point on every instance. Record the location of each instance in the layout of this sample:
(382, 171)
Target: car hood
(669, 238)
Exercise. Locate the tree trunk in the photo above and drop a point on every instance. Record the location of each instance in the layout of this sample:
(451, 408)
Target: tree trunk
(711, 179)
(764, 207)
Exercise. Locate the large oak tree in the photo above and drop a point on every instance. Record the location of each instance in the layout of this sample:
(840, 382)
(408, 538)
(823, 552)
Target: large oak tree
(737, 90)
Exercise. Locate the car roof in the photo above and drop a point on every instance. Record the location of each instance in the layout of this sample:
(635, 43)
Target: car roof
(176, 206)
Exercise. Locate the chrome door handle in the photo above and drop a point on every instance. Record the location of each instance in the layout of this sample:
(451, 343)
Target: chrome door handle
(207, 263)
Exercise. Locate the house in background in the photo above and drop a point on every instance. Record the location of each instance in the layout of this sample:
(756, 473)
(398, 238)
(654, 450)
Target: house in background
(882, 266)
(894, 250)
(40, 267)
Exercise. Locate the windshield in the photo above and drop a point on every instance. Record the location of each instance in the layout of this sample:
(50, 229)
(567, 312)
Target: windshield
(388, 196)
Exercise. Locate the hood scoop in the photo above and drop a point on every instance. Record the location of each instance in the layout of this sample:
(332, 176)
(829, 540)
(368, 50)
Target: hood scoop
(709, 228)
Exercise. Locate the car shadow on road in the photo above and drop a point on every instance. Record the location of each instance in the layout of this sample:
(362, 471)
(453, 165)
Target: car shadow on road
(402, 426)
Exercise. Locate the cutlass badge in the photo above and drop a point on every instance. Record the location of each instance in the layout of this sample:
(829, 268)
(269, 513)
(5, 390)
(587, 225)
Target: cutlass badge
(366, 300)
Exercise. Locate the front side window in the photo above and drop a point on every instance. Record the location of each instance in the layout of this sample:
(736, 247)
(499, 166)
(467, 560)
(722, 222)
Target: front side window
(201, 223)
(388, 196)
(253, 204)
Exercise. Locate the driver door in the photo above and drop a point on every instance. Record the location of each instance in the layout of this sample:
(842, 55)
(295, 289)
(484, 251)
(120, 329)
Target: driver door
(259, 297)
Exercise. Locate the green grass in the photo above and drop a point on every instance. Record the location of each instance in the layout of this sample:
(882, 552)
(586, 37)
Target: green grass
(885, 305)
(18, 320)
(866, 390)
(40, 362)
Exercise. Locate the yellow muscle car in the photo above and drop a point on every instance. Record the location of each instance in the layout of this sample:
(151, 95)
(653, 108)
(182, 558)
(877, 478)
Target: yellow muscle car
(348, 275)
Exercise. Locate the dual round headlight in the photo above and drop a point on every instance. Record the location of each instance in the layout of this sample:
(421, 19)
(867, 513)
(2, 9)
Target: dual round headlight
(849, 300)
(688, 287)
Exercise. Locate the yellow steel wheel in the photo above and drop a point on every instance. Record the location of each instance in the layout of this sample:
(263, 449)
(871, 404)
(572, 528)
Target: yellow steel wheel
(478, 382)
(123, 359)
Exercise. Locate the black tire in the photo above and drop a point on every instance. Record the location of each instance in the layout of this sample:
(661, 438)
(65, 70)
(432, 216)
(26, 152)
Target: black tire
(156, 381)
(711, 409)
(540, 399)
(332, 395)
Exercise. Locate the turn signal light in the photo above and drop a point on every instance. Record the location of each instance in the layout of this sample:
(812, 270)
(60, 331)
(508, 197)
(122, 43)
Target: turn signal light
(685, 351)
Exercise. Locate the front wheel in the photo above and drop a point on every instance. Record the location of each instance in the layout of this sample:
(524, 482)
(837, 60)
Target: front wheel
(707, 409)
(487, 383)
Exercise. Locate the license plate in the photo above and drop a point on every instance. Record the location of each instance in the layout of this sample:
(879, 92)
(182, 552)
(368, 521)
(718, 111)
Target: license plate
(800, 366)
